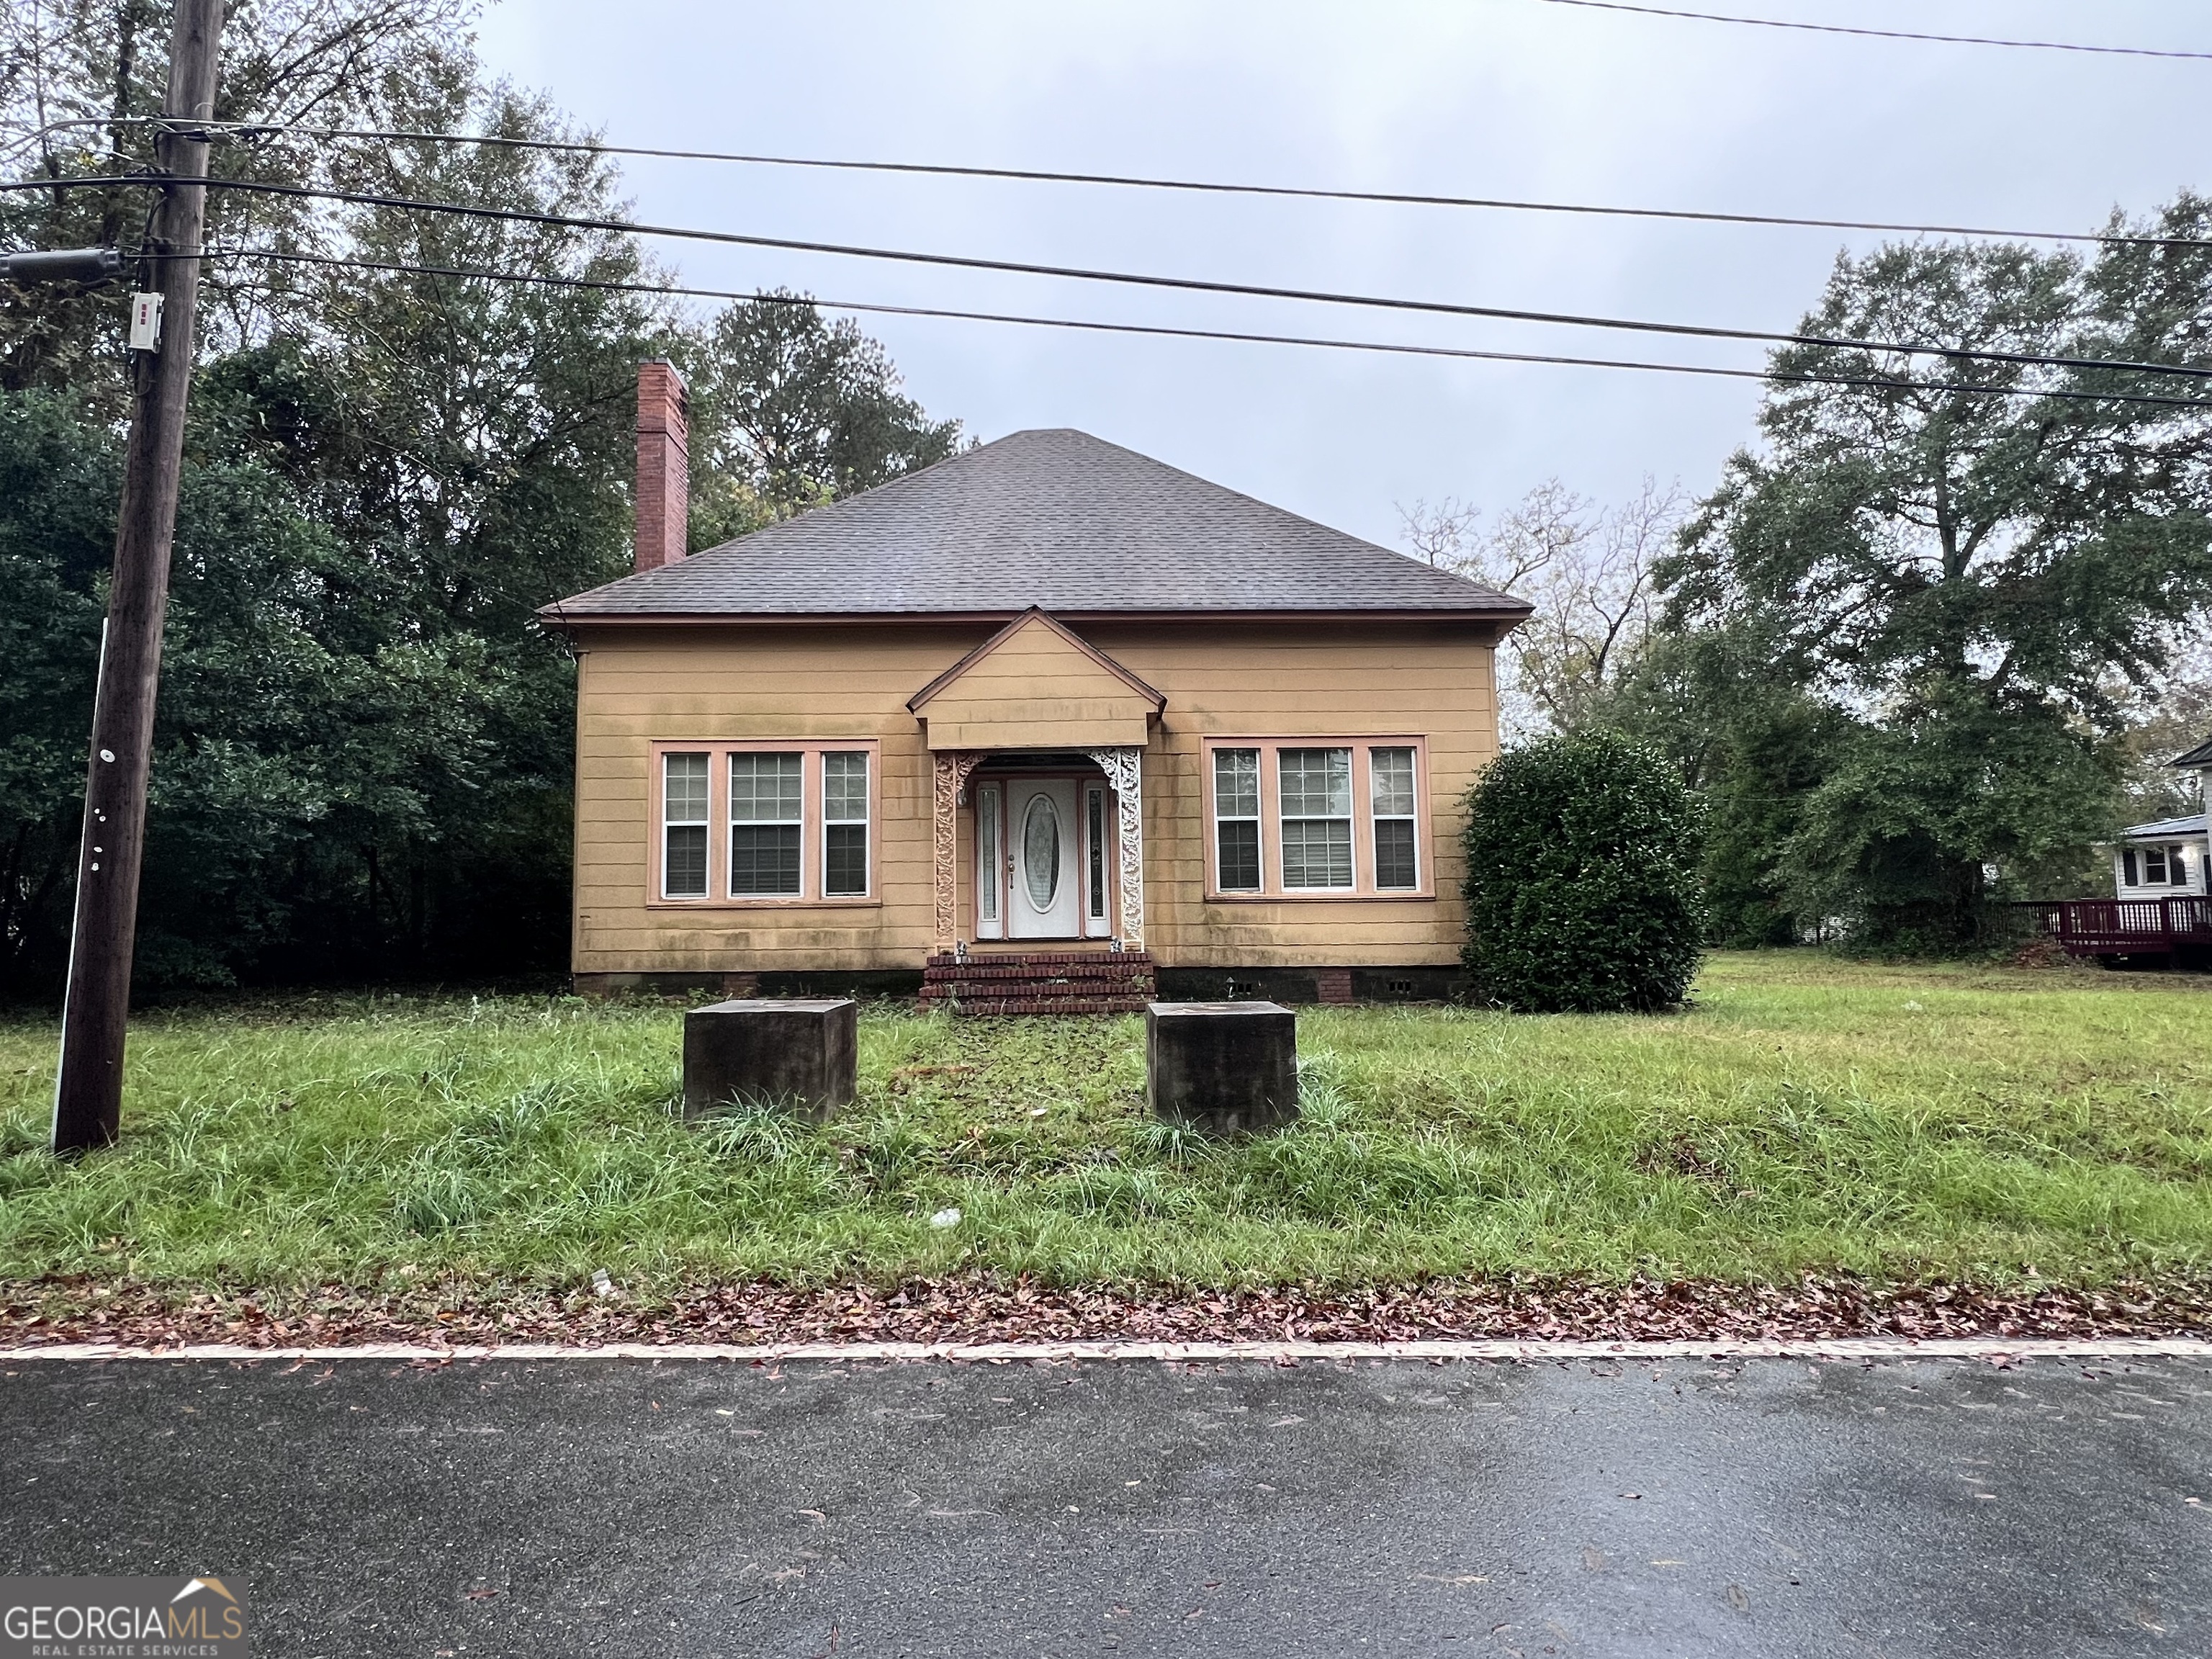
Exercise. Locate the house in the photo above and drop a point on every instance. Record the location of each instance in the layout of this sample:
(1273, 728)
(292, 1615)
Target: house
(2160, 914)
(2169, 857)
(1048, 724)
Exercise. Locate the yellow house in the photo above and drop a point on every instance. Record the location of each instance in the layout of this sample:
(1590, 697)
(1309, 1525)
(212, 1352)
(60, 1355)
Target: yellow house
(1049, 722)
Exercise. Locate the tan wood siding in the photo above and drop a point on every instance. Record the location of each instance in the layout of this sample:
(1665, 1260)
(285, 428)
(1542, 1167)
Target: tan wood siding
(750, 682)
(1035, 690)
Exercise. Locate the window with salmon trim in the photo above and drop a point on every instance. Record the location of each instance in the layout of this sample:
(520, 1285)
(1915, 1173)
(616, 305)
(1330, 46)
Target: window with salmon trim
(765, 822)
(1316, 818)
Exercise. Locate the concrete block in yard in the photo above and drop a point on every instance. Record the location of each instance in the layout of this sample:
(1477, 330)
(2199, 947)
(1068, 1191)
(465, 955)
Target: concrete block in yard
(800, 1053)
(1223, 1067)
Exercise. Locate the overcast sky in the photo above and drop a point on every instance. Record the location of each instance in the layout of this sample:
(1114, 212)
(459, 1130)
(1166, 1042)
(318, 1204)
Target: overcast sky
(1517, 98)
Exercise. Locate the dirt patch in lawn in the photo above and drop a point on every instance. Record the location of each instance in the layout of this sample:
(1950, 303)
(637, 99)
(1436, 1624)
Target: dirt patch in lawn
(984, 1309)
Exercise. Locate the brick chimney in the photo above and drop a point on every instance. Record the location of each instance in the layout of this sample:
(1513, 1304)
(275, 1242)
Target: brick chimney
(664, 464)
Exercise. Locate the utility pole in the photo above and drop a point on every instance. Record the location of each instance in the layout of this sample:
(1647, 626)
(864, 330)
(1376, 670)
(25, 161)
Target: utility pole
(88, 1088)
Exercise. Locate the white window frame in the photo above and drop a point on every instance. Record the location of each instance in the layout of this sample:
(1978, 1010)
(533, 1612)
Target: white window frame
(1377, 818)
(1101, 828)
(796, 823)
(1257, 817)
(704, 823)
(1349, 817)
(865, 822)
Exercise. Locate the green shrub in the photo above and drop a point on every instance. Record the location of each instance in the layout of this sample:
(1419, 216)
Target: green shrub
(1583, 891)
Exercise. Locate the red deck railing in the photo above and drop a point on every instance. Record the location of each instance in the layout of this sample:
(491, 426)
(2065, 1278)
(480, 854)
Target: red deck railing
(2089, 927)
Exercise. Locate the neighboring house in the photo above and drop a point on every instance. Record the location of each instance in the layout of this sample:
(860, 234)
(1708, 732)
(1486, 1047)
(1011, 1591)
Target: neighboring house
(2168, 859)
(1057, 720)
(2159, 914)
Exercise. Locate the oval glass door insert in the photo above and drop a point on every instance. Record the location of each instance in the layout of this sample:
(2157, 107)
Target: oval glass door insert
(1041, 852)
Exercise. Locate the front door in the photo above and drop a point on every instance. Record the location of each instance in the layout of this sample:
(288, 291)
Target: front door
(1042, 842)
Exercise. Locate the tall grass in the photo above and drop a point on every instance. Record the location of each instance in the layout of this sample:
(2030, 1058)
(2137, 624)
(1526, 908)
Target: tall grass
(1803, 1114)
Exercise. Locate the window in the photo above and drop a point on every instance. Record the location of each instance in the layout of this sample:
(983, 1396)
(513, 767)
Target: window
(1317, 799)
(1396, 857)
(746, 822)
(1237, 820)
(2177, 867)
(989, 877)
(845, 821)
(684, 826)
(2154, 867)
(1318, 818)
(2128, 866)
(764, 826)
(1094, 812)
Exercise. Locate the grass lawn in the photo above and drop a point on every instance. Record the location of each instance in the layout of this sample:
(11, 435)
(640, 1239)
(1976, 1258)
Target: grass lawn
(1804, 1114)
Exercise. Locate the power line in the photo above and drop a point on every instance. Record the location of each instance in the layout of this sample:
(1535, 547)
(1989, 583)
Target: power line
(1184, 284)
(1883, 34)
(1165, 331)
(248, 130)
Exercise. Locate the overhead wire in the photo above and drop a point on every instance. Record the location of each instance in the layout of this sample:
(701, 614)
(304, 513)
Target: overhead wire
(1182, 284)
(1166, 331)
(249, 129)
(1880, 34)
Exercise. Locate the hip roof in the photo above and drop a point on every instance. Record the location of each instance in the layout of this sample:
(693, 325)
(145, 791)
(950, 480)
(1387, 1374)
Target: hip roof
(1055, 518)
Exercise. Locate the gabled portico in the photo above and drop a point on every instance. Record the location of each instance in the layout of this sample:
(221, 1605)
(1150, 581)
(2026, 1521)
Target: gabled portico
(1051, 733)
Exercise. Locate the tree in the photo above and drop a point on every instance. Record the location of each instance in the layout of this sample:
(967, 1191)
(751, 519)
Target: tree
(1582, 879)
(335, 62)
(789, 410)
(1963, 578)
(364, 741)
(1752, 748)
(1588, 572)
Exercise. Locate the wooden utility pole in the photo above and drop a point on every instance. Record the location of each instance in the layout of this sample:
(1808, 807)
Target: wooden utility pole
(89, 1089)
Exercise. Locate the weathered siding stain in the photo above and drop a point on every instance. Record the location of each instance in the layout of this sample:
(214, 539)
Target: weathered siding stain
(708, 683)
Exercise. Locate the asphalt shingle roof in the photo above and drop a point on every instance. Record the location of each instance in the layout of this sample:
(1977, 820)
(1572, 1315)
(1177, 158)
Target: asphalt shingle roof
(1056, 519)
(2200, 755)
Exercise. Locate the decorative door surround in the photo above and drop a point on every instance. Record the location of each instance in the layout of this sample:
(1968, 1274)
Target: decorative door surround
(949, 771)
(1124, 770)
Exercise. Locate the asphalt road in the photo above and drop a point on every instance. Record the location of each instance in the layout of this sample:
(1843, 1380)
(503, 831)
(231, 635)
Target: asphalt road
(1762, 1507)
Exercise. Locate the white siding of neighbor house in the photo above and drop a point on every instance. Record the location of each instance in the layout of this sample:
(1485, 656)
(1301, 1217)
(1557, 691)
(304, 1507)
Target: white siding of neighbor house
(2194, 852)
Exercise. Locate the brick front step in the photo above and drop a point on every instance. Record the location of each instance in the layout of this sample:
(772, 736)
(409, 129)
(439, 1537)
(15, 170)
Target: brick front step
(1043, 959)
(1041, 982)
(988, 1005)
(1121, 985)
(981, 983)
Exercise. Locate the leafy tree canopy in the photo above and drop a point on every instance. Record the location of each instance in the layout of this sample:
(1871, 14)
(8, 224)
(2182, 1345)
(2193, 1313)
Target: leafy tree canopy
(1966, 583)
(363, 741)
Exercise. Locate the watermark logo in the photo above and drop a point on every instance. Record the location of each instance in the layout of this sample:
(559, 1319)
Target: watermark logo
(122, 1618)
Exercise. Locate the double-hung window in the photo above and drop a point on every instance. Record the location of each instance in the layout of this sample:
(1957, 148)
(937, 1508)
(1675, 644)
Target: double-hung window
(1316, 800)
(683, 825)
(1335, 817)
(766, 823)
(766, 837)
(1237, 820)
(1397, 844)
(2161, 866)
(845, 822)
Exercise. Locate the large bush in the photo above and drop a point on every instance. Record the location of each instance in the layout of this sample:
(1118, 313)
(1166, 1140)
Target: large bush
(1583, 891)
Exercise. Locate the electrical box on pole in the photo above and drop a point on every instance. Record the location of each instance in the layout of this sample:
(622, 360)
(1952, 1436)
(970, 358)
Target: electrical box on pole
(145, 322)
